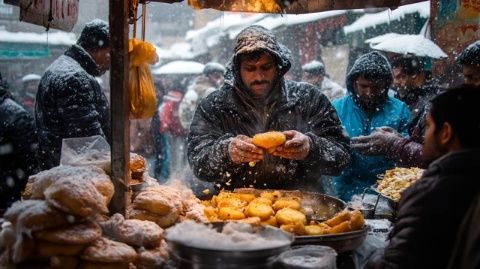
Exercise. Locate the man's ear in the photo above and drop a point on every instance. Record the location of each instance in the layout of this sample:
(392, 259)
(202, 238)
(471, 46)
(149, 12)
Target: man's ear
(446, 135)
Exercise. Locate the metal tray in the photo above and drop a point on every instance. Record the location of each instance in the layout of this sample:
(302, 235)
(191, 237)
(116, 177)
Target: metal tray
(341, 242)
(392, 203)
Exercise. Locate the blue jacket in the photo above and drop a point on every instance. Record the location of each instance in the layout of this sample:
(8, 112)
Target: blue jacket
(363, 170)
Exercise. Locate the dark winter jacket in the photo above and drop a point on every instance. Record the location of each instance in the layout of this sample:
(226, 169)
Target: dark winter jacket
(70, 103)
(232, 111)
(408, 151)
(17, 148)
(430, 214)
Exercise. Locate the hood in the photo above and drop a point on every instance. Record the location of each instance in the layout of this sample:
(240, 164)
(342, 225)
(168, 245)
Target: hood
(374, 64)
(256, 38)
(84, 59)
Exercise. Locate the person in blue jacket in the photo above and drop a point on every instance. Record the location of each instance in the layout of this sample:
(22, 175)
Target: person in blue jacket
(365, 108)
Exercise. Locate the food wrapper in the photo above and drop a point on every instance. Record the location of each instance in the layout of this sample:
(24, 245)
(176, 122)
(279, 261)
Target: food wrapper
(85, 151)
(143, 100)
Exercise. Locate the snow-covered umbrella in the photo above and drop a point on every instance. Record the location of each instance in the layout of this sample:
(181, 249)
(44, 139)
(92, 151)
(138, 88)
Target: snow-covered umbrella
(180, 67)
(378, 39)
(417, 45)
(30, 77)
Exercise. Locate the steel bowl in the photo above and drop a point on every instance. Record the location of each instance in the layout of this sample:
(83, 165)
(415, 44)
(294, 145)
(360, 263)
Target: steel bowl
(341, 242)
(186, 256)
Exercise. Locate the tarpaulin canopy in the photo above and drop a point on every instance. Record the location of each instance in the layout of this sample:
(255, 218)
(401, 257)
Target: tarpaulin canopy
(289, 6)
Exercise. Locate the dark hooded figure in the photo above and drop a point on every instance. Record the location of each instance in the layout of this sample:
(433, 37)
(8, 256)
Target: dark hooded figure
(70, 102)
(366, 108)
(254, 99)
(470, 61)
(17, 148)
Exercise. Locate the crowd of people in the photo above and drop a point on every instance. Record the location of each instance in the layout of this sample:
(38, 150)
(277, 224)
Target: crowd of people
(203, 131)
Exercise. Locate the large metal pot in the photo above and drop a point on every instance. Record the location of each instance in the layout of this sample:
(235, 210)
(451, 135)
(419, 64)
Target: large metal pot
(186, 256)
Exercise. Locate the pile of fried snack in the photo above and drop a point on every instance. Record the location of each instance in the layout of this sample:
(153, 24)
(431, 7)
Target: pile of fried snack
(64, 222)
(396, 180)
(275, 209)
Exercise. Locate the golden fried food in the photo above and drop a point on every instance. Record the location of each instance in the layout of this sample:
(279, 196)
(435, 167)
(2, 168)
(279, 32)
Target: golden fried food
(156, 202)
(105, 186)
(211, 213)
(136, 233)
(108, 251)
(338, 218)
(247, 197)
(41, 216)
(231, 202)
(17, 208)
(396, 180)
(73, 234)
(162, 221)
(342, 228)
(290, 216)
(61, 262)
(254, 221)
(269, 139)
(46, 249)
(295, 228)
(262, 200)
(272, 196)
(356, 220)
(76, 197)
(137, 166)
(284, 202)
(104, 265)
(316, 230)
(262, 211)
(228, 213)
(151, 258)
(272, 221)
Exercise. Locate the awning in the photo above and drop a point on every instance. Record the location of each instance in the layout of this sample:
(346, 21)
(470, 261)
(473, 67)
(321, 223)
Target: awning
(15, 51)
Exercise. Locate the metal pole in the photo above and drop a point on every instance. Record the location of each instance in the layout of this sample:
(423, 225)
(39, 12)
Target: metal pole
(120, 104)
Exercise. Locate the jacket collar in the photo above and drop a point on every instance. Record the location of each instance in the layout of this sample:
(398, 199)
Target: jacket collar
(455, 162)
(84, 59)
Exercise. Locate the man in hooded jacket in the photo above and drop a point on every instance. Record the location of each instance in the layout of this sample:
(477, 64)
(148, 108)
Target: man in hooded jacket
(254, 99)
(70, 101)
(366, 108)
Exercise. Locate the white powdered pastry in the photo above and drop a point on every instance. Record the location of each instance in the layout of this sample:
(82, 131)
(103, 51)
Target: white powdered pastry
(234, 237)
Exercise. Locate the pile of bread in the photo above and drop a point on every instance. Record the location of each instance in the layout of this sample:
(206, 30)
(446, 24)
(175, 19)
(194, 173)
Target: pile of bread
(277, 209)
(64, 225)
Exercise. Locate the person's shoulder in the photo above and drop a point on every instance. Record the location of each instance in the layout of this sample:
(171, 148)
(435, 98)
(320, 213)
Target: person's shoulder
(218, 98)
(9, 109)
(303, 90)
(397, 103)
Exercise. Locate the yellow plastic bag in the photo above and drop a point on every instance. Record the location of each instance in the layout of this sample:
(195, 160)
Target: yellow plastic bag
(143, 100)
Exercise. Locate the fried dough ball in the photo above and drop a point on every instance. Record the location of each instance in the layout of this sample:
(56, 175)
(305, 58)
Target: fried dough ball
(262, 211)
(341, 228)
(254, 221)
(73, 234)
(137, 166)
(272, 221)
(262, 200)
(338, 218)
(228, 213)
(272, 196)
(156, 202)
(76, 197)
(17, 208)
(269, 139)
(356, 220)
(231, 202)
(162, 221)
(152, 258)
(136, 233)
(108, 251)
(284, 202)
(211, 213)
(247, 197)
(41, 216)
(296, 228)
(290, 216)
(61, 262)
(46, 249)
(316, 230)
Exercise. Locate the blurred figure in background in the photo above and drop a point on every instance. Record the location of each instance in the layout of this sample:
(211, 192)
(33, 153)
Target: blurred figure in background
(27, 95)
(202, 86)
(470, 61)
(314, 73)
(18, 142)
(367, 107)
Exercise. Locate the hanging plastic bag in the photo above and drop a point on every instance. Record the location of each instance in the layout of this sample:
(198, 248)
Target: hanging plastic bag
(143, 100)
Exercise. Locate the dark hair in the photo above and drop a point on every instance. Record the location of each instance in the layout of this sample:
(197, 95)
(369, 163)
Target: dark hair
(459, 107)
(470, 55)
(409, 64)
(95, 35)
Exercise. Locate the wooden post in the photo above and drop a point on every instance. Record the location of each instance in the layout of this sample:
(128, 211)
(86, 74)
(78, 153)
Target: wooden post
(120, 104)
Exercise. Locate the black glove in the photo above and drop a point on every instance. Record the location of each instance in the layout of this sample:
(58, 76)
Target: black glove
(377, 143)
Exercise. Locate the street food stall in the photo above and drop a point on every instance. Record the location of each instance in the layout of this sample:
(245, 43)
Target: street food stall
(102, 210)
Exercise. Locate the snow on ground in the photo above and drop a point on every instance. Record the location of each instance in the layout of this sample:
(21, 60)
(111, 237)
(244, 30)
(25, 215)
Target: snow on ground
(372, 20)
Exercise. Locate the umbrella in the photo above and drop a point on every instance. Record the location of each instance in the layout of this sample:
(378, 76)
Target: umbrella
(180, 67)
(417, 45)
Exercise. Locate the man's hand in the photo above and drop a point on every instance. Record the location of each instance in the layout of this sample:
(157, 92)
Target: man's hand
(296, 147)
(377, 143)
(242, 150)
